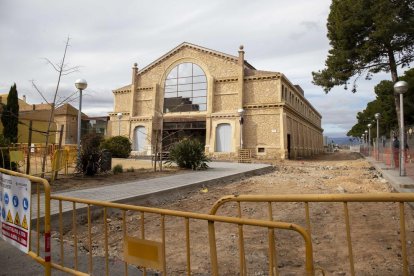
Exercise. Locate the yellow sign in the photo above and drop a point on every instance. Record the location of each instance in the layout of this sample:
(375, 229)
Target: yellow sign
(24, 223)
(17, 219)
(143, 252)
(9, 217)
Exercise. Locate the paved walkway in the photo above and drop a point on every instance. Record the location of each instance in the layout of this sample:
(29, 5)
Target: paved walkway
(128, 192)
(402, 184)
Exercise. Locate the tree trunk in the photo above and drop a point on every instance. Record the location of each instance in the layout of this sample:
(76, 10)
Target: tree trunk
(394, 77)
(52, 110)
(156, 151)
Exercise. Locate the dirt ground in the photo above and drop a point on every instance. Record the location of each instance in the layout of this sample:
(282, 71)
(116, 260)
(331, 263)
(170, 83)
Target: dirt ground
(133, 170)
(374, 226)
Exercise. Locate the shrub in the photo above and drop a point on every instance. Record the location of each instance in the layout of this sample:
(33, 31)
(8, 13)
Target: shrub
(130, 169)
(119, 146)
(117, 169)
(4, 154)
(189, 154)
(89, 163)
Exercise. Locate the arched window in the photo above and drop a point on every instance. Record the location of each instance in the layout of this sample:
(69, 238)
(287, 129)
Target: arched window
(140, 134)
(223, 138)
(185, 89)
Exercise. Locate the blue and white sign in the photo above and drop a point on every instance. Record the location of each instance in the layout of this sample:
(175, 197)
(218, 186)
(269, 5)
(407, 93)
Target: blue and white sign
(15, 217)
(25, 203)
(15, 201)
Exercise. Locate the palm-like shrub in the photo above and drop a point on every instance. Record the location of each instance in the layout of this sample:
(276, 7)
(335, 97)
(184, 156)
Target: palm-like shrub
(188, 154)
(119, 146)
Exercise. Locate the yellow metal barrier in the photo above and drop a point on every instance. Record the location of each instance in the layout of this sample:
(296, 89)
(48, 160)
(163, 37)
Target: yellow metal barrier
(399, 198)
(150, 246)
(36, 255)
(19, 152)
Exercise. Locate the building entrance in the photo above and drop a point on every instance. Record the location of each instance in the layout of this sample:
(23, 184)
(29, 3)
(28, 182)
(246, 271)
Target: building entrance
(176, 131)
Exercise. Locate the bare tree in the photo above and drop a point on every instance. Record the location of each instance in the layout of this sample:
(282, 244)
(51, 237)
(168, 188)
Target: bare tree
(62, 69)
(161, 136)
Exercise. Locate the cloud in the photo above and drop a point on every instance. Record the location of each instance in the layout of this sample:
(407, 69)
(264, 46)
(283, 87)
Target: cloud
(108, 37)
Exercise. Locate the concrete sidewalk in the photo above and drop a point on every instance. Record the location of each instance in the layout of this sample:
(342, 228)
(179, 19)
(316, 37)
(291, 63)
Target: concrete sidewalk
(132, 191)
(402, 184)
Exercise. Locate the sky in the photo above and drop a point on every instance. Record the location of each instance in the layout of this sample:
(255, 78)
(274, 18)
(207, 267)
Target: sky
(108, 37)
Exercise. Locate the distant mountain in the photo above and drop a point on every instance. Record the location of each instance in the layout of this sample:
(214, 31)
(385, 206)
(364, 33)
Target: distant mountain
(342, 141)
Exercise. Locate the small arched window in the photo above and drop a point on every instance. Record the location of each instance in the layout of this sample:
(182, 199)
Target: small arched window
(140, 136)
(185, 89)
(223, 138)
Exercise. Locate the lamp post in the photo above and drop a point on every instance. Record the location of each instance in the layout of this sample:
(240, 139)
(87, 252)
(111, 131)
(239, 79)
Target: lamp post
(366, 138)
(80, 84)
(241, 113)
(400, 87)
(369, 138)
(377, 116)
(119, 115)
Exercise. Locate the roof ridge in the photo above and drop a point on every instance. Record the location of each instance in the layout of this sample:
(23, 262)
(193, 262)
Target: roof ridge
(194, 46)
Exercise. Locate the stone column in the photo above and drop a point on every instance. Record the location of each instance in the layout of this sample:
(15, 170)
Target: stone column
(241, 76)
(134, 85)
(283, 135)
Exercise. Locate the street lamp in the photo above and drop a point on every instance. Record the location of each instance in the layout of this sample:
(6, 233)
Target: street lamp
(241, 112)
(369, 138)
(80, 84)
(400, 87)
(377, 116)
(119, 115)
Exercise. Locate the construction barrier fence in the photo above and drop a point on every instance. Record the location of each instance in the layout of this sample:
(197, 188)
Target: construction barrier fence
(38, 250)
(94, 238)
(151, 239)
(346, 200)
(384, 151)
(160, 237)
(29, 158)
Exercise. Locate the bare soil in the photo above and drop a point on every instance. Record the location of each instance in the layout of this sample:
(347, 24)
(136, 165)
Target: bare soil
(77, 182)
(374, 226)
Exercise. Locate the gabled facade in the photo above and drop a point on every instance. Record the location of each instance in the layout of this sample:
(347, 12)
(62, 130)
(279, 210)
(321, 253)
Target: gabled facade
(219, 99)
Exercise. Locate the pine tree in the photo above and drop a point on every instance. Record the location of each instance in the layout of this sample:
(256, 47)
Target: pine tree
(367, 37)
(10, 116)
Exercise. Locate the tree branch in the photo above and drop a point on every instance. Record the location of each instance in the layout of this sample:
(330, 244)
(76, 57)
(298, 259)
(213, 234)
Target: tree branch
(38, 91)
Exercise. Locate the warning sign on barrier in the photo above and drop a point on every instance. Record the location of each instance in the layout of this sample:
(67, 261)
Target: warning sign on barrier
(15, 195)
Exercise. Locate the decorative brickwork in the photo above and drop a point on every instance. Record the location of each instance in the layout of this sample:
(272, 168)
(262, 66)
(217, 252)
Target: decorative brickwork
(278, 121)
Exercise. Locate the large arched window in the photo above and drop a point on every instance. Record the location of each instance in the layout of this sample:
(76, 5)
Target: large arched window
(185, 89)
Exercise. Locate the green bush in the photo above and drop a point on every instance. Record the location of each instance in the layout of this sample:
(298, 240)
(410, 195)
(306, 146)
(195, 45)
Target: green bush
(189, 154)
(90, 154)
(4, 154)
(118, 169)
(119, 146)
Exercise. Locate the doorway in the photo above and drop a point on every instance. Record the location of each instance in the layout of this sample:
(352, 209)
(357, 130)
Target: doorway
(288, 146)
(176, 131)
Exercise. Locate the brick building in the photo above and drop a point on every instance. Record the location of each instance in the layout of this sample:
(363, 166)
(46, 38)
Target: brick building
(220, 99)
